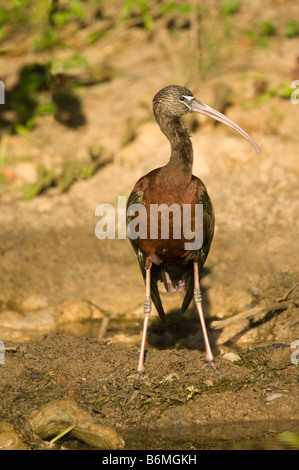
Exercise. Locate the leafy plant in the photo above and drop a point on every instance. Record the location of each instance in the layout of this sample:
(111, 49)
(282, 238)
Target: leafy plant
(4, 15)
(260, 36)
(192, 391)
(292, 29)
(47, 40)
(267, 28)
(140, 8)
(230, 7)
(45, 179)
(95, 36)
(291, 439)
(24, 97)
(65, 65)
(282, 91)
(170, 7)
(75, 10)
(285, 90)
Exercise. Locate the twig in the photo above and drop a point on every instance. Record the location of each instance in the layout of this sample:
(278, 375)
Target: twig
(148, 394)
(103, 329)
(288, 293)
(181, 400)
(63, 433)
(132, 397)
(271, 307)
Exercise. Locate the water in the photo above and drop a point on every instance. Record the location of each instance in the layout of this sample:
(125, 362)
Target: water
(226, 437)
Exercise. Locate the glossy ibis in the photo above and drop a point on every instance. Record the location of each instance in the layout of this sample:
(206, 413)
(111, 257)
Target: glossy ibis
(166, 259)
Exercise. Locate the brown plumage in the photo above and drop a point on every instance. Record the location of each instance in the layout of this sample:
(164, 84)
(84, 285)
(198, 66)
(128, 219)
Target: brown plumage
(166, 259)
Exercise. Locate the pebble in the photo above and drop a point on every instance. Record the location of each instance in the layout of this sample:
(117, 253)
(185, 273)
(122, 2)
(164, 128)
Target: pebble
(272, 396)
(26, 172)
(77, 311)
(9, 439)
(33, 302)
(232, 357)
(41, 321)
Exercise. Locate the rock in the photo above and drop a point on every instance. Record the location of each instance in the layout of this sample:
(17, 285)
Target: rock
(26, 172)
(73, 311)
(34, 302)
(77, 311)
(55, 417)
(8, 334)
(232, 357)
(272, 396)
(9, 440)
(27, 303)
(39, 321)
(230, 331)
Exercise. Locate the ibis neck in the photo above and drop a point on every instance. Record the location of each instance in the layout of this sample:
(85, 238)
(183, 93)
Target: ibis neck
(179, 167)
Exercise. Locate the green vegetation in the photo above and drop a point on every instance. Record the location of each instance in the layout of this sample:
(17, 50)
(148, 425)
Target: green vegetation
(267, 28)
(290, 439)
(230, 7)
(25, 97)
(292, 29)
(49, 86)
(268, 92)
(76, 170)
(70, 172)
(45, 179)
(261, 33)
(169, 7)
(139, 8)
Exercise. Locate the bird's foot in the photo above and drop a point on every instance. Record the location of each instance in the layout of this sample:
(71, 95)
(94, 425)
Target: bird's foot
(210, 363)
(139, 374)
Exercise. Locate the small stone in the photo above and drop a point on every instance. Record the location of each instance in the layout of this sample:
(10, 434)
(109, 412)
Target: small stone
(42, 321)
(74, 311)
(34, 302)
(8, 334)
(9, 439)
(272, 396)
(208, 383)
(232, 357)
(26, 172)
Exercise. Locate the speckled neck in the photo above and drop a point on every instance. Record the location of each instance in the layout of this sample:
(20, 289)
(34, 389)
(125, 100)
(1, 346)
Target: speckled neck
(179, 167)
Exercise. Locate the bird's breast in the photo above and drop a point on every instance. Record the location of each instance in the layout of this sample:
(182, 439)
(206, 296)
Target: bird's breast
(169, 223)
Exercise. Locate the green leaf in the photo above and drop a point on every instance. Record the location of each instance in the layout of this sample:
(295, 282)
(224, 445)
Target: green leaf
(231, 7)
(292, 29)
(4, 15)
(46, 108)
(60, 18)
(267, 28)
(291, 439)
(76, 7)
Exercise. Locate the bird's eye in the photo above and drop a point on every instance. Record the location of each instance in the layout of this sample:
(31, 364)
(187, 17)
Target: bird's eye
(182, 98)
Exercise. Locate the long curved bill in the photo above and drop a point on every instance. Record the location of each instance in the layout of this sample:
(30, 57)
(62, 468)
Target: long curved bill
(199, 107)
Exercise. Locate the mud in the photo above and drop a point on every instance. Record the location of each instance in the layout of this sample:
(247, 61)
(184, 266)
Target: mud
(175, 405)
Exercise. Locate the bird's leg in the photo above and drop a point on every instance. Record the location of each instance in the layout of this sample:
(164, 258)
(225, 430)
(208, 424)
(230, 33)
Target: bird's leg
(198, 303)
(147, 311)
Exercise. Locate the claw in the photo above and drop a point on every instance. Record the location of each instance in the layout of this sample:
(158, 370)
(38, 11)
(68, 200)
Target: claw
(210, 363)
(137, 375)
